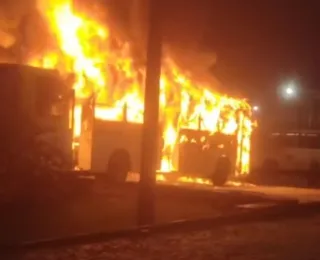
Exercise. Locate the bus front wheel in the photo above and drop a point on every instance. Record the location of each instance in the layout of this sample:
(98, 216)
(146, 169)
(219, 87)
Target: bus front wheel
(119, 165)
(222, 171)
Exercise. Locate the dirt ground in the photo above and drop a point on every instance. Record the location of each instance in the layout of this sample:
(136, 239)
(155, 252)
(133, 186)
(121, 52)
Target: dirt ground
(109, 210)
(287, 239)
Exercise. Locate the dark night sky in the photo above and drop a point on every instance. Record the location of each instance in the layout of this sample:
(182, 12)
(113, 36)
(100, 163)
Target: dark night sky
(259, 44)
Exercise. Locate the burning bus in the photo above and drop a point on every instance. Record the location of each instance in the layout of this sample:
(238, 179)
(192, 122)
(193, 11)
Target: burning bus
(194, 133)
(196, 124)
(113, 145)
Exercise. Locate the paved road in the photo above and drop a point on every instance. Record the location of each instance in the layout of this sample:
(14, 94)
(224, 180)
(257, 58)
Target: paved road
(301, 194)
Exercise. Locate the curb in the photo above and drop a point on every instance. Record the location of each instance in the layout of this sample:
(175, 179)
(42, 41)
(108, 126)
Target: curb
(288, 210)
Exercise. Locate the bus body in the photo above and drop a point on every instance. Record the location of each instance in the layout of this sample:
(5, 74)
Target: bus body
(44, 97)
(199, 151)
(287, 151)
(195, 155)
(100, 140)
(97, 145)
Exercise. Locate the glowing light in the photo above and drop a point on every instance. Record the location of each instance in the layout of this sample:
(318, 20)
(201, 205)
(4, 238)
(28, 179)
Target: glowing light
(289, 90)
(104, 66)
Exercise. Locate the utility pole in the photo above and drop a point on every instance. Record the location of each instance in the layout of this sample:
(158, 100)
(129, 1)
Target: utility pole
(150, 137)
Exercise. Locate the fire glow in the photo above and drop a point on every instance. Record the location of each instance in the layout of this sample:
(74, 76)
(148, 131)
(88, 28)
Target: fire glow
(105, 67)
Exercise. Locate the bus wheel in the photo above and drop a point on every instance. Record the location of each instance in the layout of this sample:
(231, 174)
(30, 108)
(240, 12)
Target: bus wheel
(222, 171)
(119, 165)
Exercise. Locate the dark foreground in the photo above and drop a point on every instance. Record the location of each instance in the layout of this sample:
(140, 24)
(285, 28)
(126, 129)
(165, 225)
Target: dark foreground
(110, 209)
(287, 239)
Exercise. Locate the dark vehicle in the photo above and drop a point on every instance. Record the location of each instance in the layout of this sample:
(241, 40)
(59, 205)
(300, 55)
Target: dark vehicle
(35, 114)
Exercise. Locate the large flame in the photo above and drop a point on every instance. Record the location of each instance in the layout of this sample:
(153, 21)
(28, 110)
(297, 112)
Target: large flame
(104, 67)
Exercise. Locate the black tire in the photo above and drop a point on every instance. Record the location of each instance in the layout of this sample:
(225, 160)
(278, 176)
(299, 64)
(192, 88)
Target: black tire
(222, 171)
(119, 165)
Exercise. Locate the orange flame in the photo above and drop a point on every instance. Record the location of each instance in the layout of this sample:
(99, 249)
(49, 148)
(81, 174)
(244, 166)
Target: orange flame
(106, 69)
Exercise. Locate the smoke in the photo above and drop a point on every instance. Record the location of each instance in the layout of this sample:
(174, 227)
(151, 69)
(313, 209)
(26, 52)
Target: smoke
(9, 18)
(6, 39)
(21, 28)
(11, 12)
(34, 33)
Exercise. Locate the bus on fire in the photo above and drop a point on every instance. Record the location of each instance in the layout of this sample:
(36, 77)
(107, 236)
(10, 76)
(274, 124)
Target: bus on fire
(113, 146)
(192, 147)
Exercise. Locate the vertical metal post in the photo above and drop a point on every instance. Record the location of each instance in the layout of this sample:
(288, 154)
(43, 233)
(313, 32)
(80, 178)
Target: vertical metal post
(240, 142)
(72, 105)
(299, 115)
(199, 123)
(150, 142)
(125, 112)
(71, 108)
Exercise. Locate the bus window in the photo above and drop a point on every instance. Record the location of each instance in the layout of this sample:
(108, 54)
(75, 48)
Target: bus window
(51, 106)
(60, 107)
(51, 96)
(283, 141)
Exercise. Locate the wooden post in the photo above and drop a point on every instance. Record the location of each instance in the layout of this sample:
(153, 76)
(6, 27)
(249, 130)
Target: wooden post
(146, 202)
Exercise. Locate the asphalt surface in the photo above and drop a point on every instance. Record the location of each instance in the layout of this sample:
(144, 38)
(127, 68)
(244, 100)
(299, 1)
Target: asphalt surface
(303, 195)
(286, 239)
